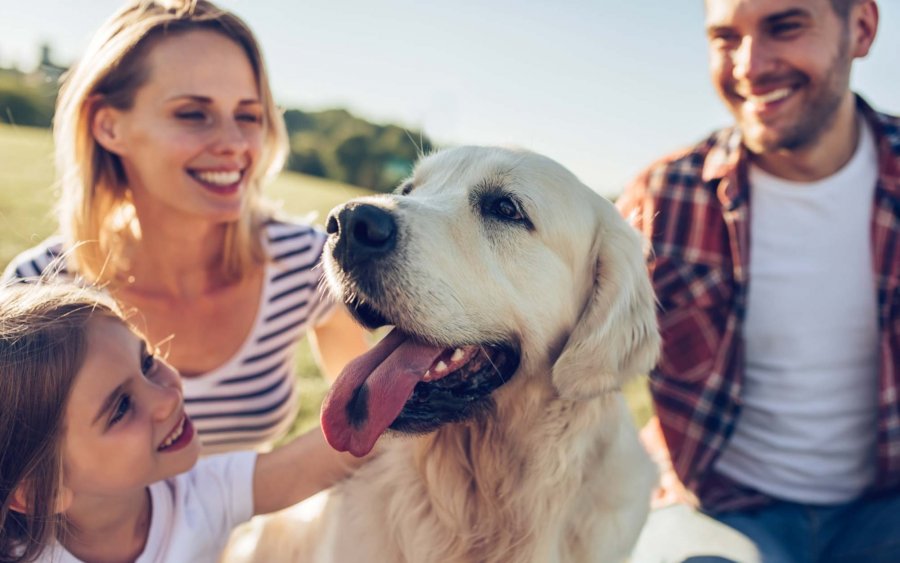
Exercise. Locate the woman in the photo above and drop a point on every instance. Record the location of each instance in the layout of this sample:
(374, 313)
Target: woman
(165, 132)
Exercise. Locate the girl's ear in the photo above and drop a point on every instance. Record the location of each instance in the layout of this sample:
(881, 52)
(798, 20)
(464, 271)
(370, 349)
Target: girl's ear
(19, 503)
(20, 499)
(106, 128)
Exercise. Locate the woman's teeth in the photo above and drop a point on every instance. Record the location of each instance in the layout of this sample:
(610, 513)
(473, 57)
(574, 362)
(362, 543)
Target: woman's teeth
(218, 178)
(174, 435)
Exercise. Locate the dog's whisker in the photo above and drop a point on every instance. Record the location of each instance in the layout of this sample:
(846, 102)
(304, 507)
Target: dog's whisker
(493, 365)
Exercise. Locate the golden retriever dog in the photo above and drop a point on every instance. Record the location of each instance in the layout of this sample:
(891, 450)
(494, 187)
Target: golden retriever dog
(520, 304)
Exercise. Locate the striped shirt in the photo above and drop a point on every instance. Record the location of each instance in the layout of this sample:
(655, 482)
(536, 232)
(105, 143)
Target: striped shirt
(694, 208)
(251, 399)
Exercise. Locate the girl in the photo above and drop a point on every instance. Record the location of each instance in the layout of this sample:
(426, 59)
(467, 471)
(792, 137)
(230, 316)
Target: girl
(98, 460)
(165, 132)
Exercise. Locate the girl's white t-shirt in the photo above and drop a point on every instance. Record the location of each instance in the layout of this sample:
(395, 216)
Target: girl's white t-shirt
(193, 514)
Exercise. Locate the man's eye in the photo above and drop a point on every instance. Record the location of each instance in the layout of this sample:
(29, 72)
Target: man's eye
(784, 28)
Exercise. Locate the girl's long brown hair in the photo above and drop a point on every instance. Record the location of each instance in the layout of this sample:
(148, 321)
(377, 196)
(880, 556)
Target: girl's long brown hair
(42, 347)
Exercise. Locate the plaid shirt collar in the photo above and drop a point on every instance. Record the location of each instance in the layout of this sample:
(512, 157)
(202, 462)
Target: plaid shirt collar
(728, 158)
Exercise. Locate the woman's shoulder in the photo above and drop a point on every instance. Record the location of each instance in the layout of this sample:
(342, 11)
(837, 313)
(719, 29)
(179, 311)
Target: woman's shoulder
(41, 260)
(291, 238)
(281, 228)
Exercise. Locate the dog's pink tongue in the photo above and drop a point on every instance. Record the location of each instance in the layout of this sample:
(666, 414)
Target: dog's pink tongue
(378, 383)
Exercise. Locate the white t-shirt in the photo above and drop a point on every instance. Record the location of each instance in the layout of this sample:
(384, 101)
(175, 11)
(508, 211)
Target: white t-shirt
(192, 514)
(808, 422)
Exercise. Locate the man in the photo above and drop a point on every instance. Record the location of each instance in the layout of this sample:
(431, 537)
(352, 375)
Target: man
(776, 260)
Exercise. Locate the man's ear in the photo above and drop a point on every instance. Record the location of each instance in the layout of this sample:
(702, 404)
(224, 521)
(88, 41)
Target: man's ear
(863, 21)
(106, 127)
(20, 499)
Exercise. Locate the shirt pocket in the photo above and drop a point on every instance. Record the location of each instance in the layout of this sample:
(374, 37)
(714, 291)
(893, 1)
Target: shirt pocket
(695, 300)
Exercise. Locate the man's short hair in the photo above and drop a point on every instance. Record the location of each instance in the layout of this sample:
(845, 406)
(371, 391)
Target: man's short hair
(842, 7)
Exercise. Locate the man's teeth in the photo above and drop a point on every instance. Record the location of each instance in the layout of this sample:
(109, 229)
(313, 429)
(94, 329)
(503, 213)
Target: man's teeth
(770, 97)
(219, 178)
(174, 435)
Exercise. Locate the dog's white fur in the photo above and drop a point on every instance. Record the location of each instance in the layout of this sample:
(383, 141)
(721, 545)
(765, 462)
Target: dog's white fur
(555, 472)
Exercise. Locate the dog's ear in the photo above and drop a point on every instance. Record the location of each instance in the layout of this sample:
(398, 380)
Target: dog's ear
(616, 335)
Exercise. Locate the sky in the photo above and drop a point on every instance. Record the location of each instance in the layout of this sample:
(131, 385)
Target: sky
(602, 86)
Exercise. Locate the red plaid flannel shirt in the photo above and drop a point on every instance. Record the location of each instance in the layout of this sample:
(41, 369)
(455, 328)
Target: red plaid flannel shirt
(693, 207)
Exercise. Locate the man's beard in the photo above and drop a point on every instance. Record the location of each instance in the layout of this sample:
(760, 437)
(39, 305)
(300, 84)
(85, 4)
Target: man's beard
(818, 115)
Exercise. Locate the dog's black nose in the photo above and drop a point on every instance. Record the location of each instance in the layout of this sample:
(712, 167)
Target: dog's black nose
(363, 231)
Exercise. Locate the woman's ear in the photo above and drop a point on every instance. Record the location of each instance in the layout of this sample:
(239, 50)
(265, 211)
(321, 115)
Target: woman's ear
(106, 127)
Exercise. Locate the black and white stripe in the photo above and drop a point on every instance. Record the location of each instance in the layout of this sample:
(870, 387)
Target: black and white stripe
(251, 400)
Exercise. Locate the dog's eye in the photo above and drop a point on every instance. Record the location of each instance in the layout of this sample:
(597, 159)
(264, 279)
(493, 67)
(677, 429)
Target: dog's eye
(506, 208)
(406, 188)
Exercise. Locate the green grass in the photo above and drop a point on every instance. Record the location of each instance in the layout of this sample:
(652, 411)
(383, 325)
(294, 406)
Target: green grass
(26, 200)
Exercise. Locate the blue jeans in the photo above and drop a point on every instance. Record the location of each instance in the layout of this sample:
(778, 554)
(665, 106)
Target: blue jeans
(863, 531)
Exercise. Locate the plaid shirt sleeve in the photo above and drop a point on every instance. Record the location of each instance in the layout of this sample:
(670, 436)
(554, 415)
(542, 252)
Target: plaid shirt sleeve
(690, 264)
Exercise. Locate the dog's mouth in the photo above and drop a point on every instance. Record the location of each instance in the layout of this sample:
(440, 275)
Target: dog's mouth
(409, 385)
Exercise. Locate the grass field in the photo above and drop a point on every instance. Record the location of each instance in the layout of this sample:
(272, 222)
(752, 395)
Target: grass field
(26, 201)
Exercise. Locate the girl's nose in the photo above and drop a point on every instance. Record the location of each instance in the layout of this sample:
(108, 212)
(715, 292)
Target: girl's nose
(166, 391)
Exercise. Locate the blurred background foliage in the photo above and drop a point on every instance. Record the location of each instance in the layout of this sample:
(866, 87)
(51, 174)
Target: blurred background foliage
(332, 143)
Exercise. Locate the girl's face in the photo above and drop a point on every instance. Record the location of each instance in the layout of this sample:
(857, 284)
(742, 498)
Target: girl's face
(125, 421)
(190, 141)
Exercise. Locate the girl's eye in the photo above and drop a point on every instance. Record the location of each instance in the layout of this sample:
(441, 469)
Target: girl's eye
(122, 408)
(148, 364)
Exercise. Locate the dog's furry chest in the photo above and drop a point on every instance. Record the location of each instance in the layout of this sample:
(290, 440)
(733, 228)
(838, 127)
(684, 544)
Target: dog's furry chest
(467, 494)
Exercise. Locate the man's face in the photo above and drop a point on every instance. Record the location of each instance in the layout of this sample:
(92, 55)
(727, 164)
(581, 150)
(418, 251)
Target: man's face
(782, 67)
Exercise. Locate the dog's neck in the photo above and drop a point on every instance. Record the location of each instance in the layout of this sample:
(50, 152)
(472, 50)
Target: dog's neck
(549, 449)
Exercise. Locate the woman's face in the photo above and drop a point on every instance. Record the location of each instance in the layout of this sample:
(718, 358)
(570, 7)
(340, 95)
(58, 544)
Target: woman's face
(194, 133)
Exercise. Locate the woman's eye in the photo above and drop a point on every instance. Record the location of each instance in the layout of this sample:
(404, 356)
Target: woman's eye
(122, 408)
(191, 115)
(249, 118)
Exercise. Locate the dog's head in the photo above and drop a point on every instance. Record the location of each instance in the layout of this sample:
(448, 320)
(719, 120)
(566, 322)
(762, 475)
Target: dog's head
(491, 264)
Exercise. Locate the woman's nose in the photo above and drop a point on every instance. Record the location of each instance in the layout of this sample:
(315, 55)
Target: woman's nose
(232, 138)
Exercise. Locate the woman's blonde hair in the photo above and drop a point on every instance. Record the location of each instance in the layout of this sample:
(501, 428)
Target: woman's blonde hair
(95, 207)
(42, 348)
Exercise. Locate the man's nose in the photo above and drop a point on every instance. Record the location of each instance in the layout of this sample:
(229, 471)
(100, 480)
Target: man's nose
(751, 59)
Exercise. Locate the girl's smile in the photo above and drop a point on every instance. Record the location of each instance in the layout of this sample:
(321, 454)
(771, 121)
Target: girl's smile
(125, 423)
